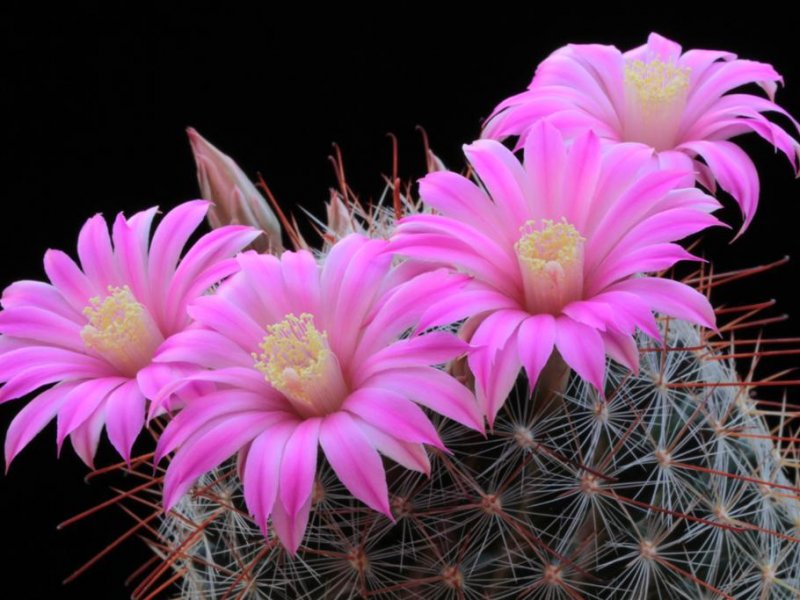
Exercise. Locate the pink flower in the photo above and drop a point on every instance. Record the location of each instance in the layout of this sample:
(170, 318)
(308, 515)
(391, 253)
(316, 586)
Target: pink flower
(679, 104)
(94, 329)
(306, 356)
(555, 247)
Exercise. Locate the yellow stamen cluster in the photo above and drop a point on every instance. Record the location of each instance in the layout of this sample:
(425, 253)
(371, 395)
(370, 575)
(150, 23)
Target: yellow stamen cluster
(656, 82)
(294, 354)
(553, 242)
(115, 321)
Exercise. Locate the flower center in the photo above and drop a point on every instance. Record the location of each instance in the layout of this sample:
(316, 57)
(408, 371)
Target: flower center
(297, 361)
(121, 330)
(655, 94)
(550, 256)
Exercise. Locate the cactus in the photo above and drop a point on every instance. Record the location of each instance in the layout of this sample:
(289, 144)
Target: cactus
(651, 471)
(677, 485)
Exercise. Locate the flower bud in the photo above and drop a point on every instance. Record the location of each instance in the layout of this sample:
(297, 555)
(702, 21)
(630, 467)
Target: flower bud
(236, 200)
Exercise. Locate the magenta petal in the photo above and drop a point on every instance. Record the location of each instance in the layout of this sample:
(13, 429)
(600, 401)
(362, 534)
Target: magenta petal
(583, 164)
(361, 282)
(468, 302)
(131, 238)
(41, 325)
(393, 414)
(582, 348)
(206, 410)
(356, 463)
(207, 262)
(202, 347)
(224, 317)
(622, 348)
(205, 452)
(336, 265)
(82, 402)
(96, 254)
(492, 394)
(408, 454)
(535, 339)
(672, 298)
(423, 350)
(69, 279)
(290, 527)
(168, 241)
(434, 389)
(734, 171)
(86, 438)
(503, 176)
(125, 409)
(299, 465)
(301, 281)
(402, 307)
(40, 295)
(491, 336)
(262, 469)
(545, 158)
(33, 418)
(457, 197)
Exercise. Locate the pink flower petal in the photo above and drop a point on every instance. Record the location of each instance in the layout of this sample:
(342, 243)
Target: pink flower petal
(262, 469)
(354, 460)
(169, 239)
(86, 437)
(125, 408)
(503, 176)
(431, 349)
(200, 412)
(545, 161)
(622, 348)
(33, 418)
(360, 284)
(393, 414)
(493, 393)
(299, 465)
(96, 254)
(535, 339)
(290, 527)
(734, 171)
(672, 298)
(433, 389)
(82, 402)
(40, 295)
(131, 240)
(403, 306)
(68, 279)
(582, 348)
(408, 454)
(41, 326)
(202, 347)
(202, 453)
(457, 197)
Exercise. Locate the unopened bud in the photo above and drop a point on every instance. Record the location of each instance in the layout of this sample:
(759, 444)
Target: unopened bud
(236, 200)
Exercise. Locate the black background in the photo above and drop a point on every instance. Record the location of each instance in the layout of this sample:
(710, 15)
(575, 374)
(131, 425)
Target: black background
(95, 107)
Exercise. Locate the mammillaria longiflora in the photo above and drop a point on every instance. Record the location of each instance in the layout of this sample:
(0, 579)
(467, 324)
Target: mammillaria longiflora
(646, 471)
